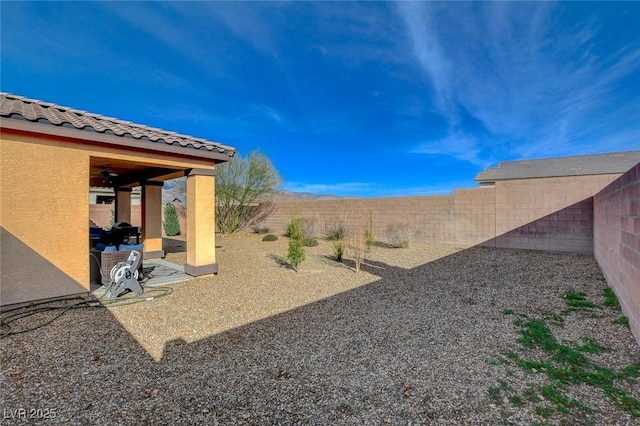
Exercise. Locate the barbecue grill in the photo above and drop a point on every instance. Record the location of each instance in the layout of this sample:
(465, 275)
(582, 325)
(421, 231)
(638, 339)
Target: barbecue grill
(121, 233)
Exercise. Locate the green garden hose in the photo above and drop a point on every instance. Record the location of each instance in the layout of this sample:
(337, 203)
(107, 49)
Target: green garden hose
(12, 315)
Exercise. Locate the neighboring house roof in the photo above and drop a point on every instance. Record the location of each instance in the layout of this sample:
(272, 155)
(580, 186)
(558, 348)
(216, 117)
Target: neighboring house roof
(616, 162)
(100, 128)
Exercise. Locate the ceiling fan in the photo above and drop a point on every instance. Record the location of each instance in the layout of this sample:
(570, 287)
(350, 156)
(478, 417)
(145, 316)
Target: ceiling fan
(107, 176)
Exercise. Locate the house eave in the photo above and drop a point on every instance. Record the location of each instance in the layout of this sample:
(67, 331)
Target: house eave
(21, 126)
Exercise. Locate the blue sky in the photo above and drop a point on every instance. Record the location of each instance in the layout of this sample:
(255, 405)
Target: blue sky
(359, 99)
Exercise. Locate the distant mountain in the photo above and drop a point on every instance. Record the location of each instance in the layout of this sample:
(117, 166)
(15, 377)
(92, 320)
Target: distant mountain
(174, 194)
(293, 196)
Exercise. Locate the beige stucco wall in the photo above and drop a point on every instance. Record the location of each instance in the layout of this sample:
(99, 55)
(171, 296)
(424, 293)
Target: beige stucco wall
(152, 217)
(201, 225)
(44, 218)
(44, 212)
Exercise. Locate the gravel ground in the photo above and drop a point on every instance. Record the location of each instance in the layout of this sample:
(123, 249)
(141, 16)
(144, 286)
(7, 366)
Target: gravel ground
(417, 337)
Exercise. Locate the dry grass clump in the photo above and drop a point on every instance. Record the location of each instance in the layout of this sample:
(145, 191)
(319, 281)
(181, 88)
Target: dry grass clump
(398, 235)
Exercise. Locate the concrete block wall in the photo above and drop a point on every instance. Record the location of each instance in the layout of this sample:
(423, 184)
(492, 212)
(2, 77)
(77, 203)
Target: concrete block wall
(617, 241)
(567, 230)
(429, 218)
(475, 215)
(523, 201)
(537, 214)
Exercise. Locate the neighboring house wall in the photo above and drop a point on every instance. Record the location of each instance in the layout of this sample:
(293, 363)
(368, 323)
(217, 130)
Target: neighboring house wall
(101, 214)
(539, 213)
(95, 194)
(617, 241)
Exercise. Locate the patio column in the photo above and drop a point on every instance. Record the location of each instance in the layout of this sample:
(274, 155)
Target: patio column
(123, 205)
(152, 219)
(201, 222)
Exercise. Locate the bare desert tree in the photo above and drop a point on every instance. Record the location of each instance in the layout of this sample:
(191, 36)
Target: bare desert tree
(243, 189)
(356, 236)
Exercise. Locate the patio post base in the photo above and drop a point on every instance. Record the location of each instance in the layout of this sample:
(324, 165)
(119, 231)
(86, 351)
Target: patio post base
(157, 254)
(211, 268)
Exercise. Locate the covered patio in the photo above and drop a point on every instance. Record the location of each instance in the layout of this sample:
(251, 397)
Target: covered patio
(51, 155)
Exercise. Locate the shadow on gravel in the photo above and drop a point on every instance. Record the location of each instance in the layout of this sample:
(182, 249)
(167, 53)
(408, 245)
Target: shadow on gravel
(411, 347)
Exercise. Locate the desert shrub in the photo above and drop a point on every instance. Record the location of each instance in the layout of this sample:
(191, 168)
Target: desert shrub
(270, 237)
(171, 222)
(295, 252)
(261, 230)
(293, 227)
(309, 225)
(310, 242)
(398, 235)
(338, 249)
(337, 231)
(356, 237)
(305, 226)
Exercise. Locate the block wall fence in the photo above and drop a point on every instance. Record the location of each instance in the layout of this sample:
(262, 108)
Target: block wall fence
(617, 241)
(541, 214)
(100, 214)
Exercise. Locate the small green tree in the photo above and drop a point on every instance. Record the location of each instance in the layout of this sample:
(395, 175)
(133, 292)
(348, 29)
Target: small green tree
(295, 253)
(243, 186)
(368, 234)
(359, 237)
(171, 222)
(112, 221)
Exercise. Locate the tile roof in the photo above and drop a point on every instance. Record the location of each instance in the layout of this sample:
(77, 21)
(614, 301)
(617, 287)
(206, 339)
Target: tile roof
(21, 108)
(615, 162)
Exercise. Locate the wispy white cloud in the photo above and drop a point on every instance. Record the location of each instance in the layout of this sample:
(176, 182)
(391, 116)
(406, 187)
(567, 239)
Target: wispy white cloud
(166, 23)
(246, 22)
(540, 86)
(154, 22)
(429, 52)
(262, 112)
(462, 147)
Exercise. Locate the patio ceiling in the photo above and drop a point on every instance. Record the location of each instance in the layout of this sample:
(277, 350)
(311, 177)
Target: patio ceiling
(129, 174)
